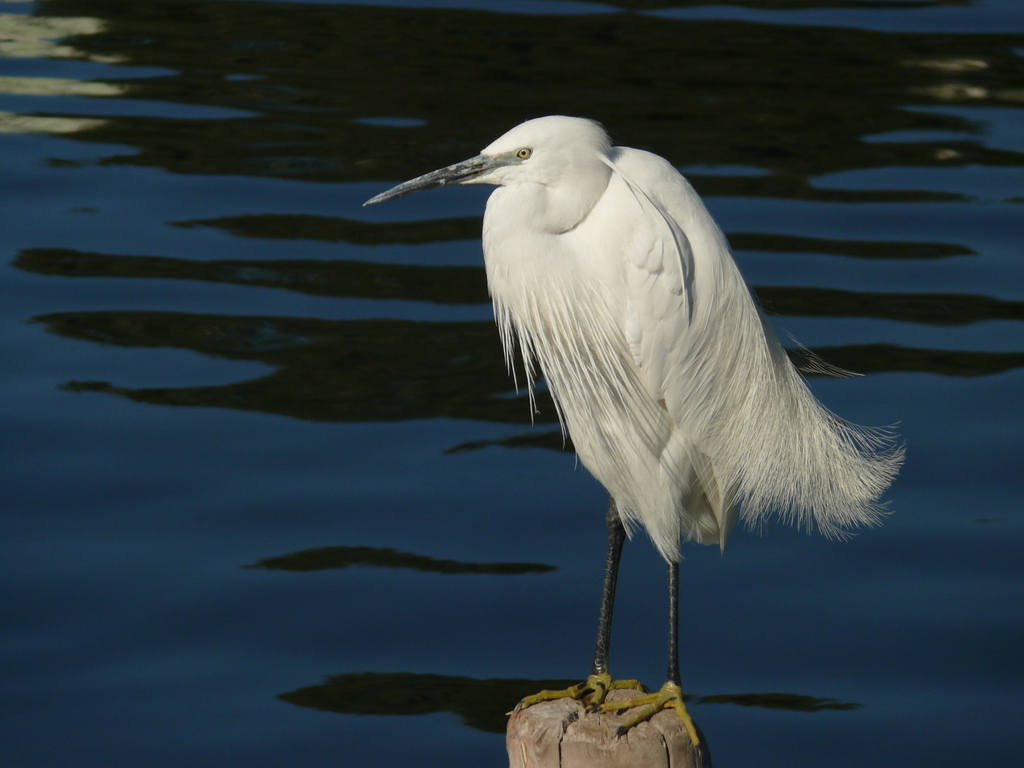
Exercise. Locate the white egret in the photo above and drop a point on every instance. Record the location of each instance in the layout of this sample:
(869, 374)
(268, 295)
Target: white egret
(608, 271)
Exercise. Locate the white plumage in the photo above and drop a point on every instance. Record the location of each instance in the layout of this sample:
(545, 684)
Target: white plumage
(608, 271)
(605, 265)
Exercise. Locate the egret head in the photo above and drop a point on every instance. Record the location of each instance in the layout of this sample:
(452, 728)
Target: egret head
(549, 151)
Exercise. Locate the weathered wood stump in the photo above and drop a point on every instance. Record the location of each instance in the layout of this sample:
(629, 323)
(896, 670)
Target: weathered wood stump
(559, 734)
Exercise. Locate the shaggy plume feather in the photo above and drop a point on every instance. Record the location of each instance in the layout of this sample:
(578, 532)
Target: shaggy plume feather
(676, 391)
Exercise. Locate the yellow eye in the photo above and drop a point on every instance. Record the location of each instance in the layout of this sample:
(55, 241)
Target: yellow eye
(524, 153)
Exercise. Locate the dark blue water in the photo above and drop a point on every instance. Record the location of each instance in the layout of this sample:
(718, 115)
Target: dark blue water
(268, 496)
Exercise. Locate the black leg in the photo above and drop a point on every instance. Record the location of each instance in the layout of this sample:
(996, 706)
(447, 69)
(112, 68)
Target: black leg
(616, 537)
(593, 690)
(673, 623)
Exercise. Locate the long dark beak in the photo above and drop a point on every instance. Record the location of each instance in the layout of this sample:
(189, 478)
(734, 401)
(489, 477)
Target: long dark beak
(459, 173)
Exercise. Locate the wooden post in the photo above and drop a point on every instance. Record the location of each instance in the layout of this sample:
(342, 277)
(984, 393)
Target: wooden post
(559, 734)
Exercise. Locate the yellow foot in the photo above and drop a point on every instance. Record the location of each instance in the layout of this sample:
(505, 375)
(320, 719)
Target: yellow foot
(644, 707)
(590, 692)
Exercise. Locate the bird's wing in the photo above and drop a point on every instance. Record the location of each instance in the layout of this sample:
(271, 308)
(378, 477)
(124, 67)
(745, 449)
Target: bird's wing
(748, 425)
(659, 270)
(665, 330)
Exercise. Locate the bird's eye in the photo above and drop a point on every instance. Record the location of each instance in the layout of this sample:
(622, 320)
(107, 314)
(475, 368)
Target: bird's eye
(524, 153)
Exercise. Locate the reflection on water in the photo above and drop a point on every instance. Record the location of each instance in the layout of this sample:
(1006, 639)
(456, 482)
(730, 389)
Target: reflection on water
(334, 230)
(187, 177)
(381, 370)
(485, 704)
(28, 37)
(315, 72)
(52, 86)
(342, 557)
(42, 37)
(355, 371)
(351, 279)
